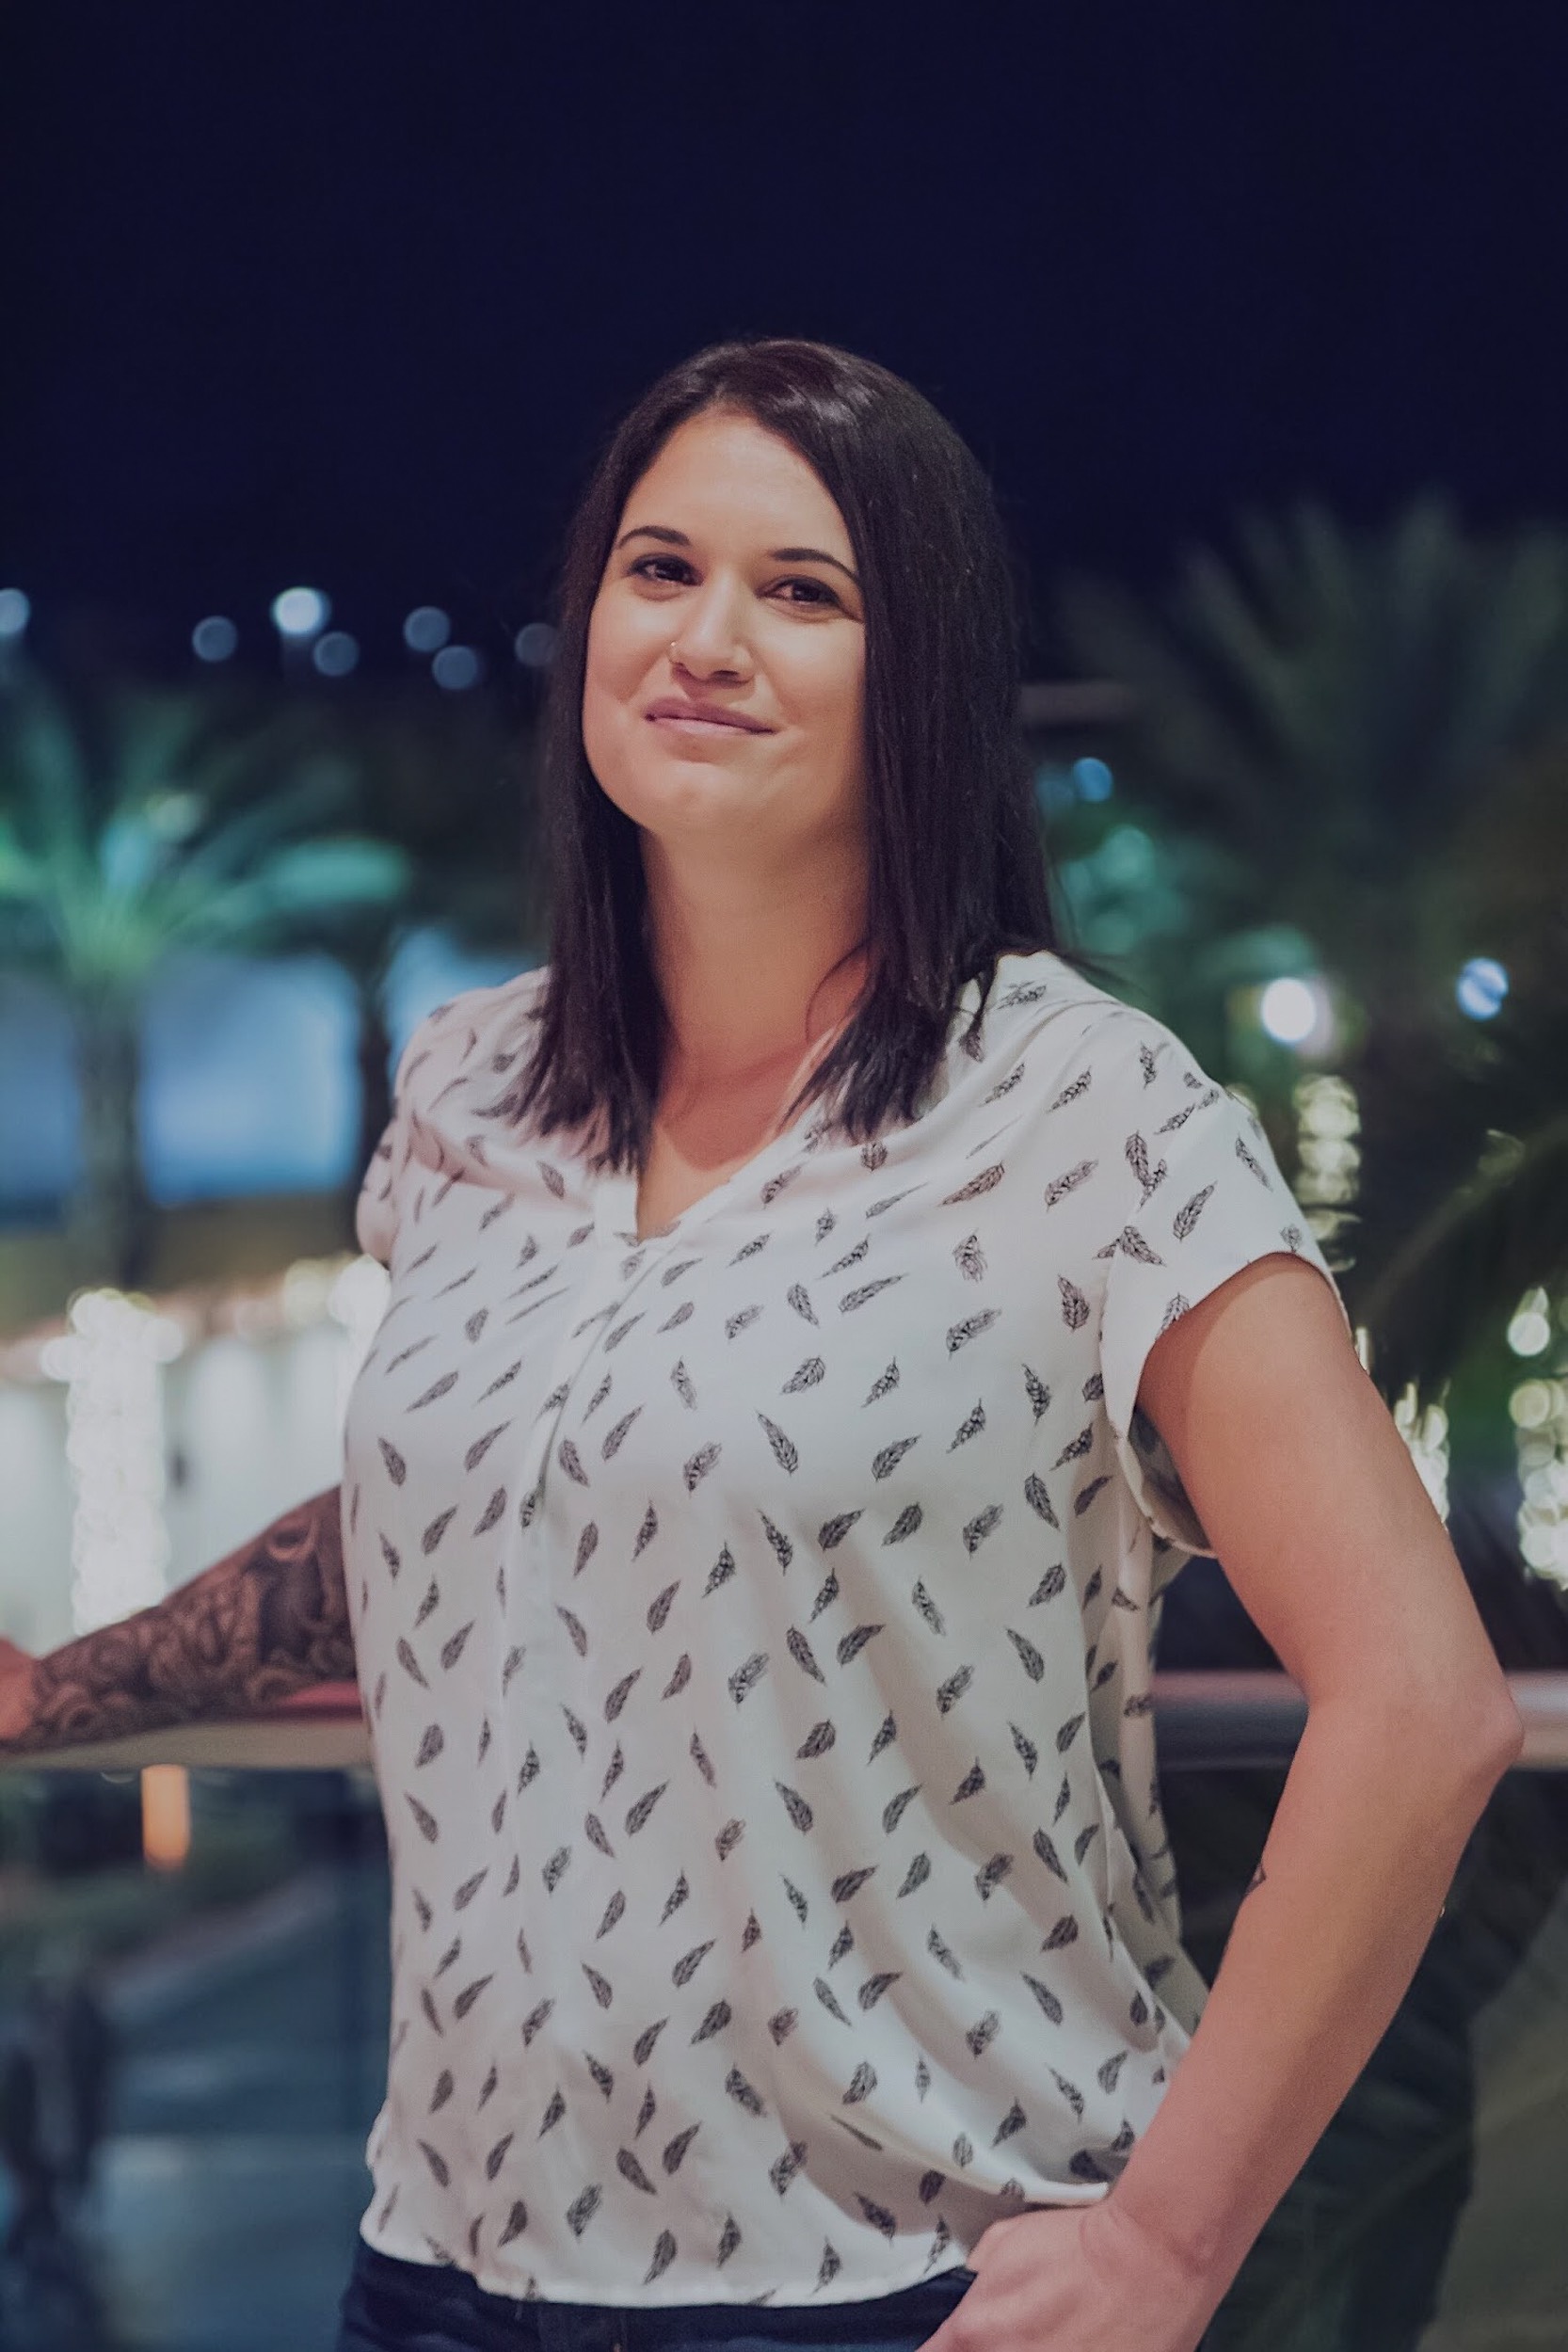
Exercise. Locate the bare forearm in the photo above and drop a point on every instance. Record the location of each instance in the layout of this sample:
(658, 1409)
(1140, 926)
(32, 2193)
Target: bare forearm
(266, 1620)
(1363, 1850)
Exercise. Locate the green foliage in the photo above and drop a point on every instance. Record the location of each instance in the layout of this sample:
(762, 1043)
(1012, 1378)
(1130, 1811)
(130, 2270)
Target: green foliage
(1333, 698)
(136, 827)
(1372, 727)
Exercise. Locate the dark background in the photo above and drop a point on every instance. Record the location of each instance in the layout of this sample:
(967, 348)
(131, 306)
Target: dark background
(348, 291)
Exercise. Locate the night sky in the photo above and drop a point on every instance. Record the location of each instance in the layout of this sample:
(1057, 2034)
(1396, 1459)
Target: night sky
(348, 291)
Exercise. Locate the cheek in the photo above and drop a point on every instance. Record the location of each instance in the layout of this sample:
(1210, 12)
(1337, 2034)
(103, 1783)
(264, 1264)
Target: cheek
(830, 700)
(615, 668)
(612, 654)
(601, 705)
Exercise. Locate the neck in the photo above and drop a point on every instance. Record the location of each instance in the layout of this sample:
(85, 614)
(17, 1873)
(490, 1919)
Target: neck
(753, 968)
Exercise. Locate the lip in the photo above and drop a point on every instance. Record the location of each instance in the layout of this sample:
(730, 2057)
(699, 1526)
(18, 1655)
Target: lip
(681, 707)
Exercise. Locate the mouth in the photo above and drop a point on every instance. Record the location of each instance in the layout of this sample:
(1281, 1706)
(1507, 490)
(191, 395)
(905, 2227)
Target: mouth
(708, 718)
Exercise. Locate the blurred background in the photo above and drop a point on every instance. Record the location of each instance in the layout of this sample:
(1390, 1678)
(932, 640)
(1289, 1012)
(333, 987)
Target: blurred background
(315, 320)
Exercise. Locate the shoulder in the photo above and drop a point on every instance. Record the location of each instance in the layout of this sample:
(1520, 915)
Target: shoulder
(1109, 1106)
(1042, 1012)
(479, 1033)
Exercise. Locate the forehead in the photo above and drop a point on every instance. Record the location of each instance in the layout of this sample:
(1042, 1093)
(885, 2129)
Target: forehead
(722, 476)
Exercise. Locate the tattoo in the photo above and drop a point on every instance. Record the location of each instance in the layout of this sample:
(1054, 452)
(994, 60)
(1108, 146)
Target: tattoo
(268, 1620)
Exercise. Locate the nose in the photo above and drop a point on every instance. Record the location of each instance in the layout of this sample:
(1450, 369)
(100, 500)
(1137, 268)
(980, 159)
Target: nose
(710, 642)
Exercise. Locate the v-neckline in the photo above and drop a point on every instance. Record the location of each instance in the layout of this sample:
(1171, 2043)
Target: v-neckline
(615, 1195)
(625, 1197)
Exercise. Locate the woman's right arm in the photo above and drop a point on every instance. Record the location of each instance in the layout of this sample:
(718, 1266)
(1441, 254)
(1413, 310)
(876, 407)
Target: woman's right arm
(267, 1620)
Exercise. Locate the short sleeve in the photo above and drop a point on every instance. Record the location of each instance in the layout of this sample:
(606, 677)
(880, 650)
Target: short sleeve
(376, 1209)
(1193, 1194)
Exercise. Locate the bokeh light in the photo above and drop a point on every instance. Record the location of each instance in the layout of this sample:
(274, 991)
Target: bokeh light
(16, 610)
(1092, 779)
(1425, 1431)
(535, 645)
(1297, 1010)
(457, 667)
(335, 654)
(300, 612)
(1529, 1330)
(426, 629)
(1289, 1011)
(1480, 989)
(1531, 1403)
(165, 1815)
(215, 638)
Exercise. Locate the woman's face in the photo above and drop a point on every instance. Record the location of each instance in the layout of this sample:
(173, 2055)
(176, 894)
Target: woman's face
(726, 651)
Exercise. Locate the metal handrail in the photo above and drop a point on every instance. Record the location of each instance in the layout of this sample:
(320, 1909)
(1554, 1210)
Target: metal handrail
(1204, 1719)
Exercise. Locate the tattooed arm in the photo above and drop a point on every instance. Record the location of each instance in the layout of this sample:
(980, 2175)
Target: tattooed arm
(267, 1620)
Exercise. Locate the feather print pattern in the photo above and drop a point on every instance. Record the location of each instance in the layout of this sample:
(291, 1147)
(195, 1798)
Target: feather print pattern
(753, 1621)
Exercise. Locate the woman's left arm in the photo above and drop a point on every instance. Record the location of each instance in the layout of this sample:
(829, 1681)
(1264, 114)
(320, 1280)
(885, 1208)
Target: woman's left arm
(1311, 1500)
(1331, 1541)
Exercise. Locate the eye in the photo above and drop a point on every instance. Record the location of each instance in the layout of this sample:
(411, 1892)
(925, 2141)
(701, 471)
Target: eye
(817, 591)
(663, 570)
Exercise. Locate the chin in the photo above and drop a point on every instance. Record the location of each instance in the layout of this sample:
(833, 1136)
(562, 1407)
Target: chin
(680, 796)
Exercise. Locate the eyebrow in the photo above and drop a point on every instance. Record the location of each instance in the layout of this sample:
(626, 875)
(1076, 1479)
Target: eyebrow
(776, 554)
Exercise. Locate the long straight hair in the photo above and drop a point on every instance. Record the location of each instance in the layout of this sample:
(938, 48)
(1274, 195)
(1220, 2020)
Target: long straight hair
(957, 873)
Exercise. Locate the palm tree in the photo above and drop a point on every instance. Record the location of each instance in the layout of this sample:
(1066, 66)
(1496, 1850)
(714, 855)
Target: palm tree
(136, 827)
(1374, 725)
(1365, 720)
(448, 779)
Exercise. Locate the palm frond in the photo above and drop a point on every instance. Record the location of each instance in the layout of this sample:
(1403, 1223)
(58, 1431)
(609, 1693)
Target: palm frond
(299, 895)
(293, 804)
(1464, 1266)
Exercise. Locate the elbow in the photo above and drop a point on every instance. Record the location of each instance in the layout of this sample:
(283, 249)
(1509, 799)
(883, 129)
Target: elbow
(1489, 1720)
(1479, 1733)
(1454, 1740)
(1503, 1736)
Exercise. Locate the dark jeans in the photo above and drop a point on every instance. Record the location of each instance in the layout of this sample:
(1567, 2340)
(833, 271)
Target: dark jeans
(393, 2306)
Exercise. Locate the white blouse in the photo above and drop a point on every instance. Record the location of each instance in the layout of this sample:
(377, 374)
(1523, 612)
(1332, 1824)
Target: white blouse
(754, 1625)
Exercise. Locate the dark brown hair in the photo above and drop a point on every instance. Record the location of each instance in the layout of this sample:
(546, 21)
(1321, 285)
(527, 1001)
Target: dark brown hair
(956, 869)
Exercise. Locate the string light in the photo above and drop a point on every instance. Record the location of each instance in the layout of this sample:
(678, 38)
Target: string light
(1328, 1173)
(112, 1359)
(1539, 1410)
(110, 1356)
(1426, 1434)
(1529, 1330)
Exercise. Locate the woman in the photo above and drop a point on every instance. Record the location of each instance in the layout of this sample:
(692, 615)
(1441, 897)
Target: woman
(822, 1322)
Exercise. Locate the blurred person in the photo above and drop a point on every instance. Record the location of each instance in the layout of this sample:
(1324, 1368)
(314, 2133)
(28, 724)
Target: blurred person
(54, 2072)
(822, 1322)
(74, 2047)
(33, 2220)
